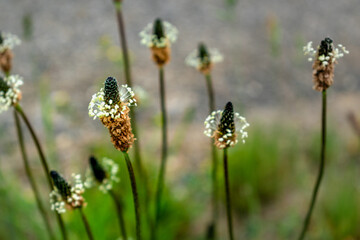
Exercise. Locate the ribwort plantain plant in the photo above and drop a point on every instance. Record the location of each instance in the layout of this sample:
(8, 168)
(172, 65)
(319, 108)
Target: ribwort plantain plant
(10, 95)
(325, 58)
(69, 196)
(224, 126)
(203, 60)
(111, 106)
(158, 36)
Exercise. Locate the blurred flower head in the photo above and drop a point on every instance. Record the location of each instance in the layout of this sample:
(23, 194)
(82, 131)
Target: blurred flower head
(158, 36)
(111, 105)
(65, 194)
(325, 57)
(10, 93)
(8, 41)
(224, 126)
(104, 173)
(203, 58)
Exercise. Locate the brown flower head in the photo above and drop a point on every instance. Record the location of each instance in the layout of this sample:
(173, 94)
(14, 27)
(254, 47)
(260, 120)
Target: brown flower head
(325, 59)
(111, 105)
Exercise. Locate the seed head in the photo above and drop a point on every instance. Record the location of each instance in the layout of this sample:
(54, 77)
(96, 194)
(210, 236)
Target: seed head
(325, 59)
(1, 38)
(227, 120)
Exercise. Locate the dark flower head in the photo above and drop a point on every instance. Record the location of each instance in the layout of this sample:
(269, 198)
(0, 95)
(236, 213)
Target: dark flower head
(1, 38)
(227, 124)
(97, 169)
(4, 87)
(326, 47)
(203, 53)
(158, 30)
(111, 91)
(61, 184)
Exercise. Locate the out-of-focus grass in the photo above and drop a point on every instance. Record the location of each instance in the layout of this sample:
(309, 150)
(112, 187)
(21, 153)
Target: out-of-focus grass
(271, 174)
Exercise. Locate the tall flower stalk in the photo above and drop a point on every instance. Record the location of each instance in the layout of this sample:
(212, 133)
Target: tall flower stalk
(105, 175)
(111, 106)
(65, 195)
(224, 126)
(158, 36)
(10, 95)
(127, 70)
(31, 178)
(203, 59)
(323, 77)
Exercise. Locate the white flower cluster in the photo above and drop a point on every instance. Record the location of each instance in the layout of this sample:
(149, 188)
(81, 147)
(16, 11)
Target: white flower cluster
(111, 168)
(11, 95)
(150, 40)
(9, 41)
(193, 59)
(74, 200)
(99, 108)
(336, 54)
(213, 120)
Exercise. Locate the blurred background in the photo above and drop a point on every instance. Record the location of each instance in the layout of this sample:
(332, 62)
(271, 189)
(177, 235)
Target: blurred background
(70, 47)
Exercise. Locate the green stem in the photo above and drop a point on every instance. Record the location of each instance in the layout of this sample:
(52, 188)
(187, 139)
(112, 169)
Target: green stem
(86, 224)
(210, 93)
(228, 198)
(30, 176)
(161, 177)
(211, 233)
(321, 167)
(135, 195)
(128, 79)
(119, 210)
(43, 163)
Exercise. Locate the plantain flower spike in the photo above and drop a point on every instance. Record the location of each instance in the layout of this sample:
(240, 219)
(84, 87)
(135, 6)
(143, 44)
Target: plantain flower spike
(104, 173)
(224, 126)
(111, 106)
(158, 36)
(203, 58)
(325, 59)
(65, 194)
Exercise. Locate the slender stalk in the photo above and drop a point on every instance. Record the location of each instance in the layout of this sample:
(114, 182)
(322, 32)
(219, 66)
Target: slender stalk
(211, 234)
(210, 92)
(128, 79)
(135, 195)
(43, 163)
(119, 210)
(321, 167)
(86, 224)
(228, 198)
(161, 177)
(30, 176)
